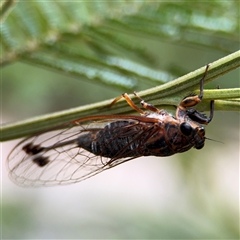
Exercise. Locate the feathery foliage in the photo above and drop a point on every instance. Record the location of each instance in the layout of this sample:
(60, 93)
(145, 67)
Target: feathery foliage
(99, 42)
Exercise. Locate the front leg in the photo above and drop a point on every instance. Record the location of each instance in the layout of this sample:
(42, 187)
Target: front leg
(191, 101)
(199, 117)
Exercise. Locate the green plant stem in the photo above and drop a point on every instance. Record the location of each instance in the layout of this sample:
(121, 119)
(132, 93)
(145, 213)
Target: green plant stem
(166, 95)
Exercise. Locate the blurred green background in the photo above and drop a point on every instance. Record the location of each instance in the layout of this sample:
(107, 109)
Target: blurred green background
(194, 195)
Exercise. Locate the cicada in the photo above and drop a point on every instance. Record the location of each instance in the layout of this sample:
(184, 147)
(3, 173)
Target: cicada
(85, 147)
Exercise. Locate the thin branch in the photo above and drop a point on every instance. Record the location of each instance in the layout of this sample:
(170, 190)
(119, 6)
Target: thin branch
(168, 94)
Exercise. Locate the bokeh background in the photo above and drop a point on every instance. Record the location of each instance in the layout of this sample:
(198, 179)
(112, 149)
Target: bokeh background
(188, 196)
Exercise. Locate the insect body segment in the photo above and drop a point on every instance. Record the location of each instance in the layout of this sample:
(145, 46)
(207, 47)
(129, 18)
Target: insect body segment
(70, 155)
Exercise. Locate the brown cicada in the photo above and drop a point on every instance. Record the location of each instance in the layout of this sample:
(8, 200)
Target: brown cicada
(88, 146)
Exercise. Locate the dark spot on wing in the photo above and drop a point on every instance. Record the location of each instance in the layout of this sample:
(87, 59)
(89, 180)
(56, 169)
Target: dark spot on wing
(32, 149)
(41, 161)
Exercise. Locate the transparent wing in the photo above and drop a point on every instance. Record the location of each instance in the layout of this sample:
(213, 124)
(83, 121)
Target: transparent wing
(57, 158)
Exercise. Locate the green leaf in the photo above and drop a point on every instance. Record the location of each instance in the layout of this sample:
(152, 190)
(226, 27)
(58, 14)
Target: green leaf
(6, 7)
(104, 42)
(82, 39)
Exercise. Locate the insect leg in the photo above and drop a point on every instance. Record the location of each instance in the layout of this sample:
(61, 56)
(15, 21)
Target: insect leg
(147, 106)
(191, 101)
(129, 101)
(199, 117)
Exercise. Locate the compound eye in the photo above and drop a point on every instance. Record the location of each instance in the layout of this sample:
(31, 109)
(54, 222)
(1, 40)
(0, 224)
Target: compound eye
(186, 129)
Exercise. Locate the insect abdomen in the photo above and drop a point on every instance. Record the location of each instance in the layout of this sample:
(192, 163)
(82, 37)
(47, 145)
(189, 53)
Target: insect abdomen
(116, 140)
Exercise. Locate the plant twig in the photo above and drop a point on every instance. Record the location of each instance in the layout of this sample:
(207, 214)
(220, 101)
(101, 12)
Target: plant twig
(165, 95)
